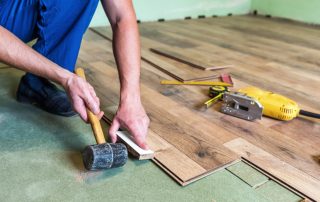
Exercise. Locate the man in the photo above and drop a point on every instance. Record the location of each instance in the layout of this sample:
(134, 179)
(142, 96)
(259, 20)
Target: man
(59, 26)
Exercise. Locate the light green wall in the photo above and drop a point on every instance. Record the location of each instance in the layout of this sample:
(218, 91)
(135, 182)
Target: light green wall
(301, 10)
(152, 10)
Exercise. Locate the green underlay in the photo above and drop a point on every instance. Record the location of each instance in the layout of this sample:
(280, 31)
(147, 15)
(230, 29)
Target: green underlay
(248, 174)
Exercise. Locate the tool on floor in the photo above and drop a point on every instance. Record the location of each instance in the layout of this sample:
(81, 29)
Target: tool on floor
(241, 106)
(275, 105)
(226, 78)
(206, 78)
(184, 60)
(198, 83)
(216, 93)
(235, 103)
(102, 155)
(251, 103)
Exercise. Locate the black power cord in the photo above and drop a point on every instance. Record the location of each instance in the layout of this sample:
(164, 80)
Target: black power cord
(310, 114)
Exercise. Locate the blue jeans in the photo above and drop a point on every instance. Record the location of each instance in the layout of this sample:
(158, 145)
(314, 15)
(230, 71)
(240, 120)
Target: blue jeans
(58, 25)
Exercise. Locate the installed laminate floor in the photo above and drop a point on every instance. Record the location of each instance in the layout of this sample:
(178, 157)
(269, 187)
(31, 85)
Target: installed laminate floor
(190, 142)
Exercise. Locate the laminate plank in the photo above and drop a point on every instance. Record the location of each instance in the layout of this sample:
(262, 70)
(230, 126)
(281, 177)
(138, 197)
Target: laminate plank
(175, 163)
(284, 171)
(191, 61)
(296, 79)
(288, 156)
(302, 130)
(201, 145)
(175, 129)
(293, 34)
(276, 29)
(185, 168)
(291, 91)
(245, 43)
(282, 144)
(168, 40)
(263, 48)
(198, 145)
(276, 143)
(269, 62)
(170, 66)
(182, 73)
(250, 44)
(165, 153)
(254, 69)
(191, 96)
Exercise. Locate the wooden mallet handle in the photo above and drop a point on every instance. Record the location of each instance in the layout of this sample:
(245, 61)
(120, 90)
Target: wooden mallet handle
(94, 121)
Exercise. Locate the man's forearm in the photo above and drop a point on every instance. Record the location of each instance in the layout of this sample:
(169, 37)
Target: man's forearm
(14, 52)
(126, 47)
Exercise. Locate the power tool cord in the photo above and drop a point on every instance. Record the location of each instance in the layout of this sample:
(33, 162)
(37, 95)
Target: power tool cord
(310, 114)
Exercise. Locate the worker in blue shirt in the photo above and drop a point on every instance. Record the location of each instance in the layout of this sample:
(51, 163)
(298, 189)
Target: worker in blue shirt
(58, 26)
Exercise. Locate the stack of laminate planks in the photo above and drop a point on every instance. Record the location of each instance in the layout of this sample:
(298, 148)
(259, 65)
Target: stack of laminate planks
(190, 142)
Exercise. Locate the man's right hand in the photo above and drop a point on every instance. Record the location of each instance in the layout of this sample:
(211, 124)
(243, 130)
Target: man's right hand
(82, 96)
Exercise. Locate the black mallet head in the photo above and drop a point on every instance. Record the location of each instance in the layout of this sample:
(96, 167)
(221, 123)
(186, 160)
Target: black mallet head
(104, 156)
(101, 155)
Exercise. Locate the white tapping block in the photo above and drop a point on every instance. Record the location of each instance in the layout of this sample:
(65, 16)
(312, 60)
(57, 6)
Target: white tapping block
(133, 148)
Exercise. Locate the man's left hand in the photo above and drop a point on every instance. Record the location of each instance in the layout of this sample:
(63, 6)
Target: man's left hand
(132, 117)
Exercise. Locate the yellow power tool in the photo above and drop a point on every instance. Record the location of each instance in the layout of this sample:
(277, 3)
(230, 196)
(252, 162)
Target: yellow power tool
(275, 105)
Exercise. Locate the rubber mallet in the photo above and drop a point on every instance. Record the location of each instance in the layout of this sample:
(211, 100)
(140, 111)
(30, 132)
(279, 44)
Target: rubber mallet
(102, 155)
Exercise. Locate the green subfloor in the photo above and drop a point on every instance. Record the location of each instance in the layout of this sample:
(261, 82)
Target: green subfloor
(40, 161)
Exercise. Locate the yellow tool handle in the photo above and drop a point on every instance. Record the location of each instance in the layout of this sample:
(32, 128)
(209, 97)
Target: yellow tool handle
(200, 83)
(93, 119)
(213, 100)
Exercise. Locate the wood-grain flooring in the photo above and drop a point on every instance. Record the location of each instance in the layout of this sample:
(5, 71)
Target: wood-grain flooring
(191, 142)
